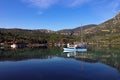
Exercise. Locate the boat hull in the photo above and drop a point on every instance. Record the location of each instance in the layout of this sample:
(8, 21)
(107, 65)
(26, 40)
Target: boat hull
(75, 49)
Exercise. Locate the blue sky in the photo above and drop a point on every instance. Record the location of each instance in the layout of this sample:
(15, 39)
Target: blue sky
(55, 14)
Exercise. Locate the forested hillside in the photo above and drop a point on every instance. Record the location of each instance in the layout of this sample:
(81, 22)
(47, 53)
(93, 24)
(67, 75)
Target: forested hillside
(33, 36)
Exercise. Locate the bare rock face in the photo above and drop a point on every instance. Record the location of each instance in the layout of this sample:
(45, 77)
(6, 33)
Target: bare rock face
(116, 19)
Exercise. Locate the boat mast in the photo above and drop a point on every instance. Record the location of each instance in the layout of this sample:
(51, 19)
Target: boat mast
(81, 34)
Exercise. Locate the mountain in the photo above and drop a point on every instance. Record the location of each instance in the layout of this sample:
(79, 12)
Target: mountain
(112, 25)
(77, 31)
(26, 30)
(108, 31)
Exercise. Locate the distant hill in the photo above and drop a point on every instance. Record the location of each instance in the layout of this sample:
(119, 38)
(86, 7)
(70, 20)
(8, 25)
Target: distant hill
(77, 31)
(108, 31)
(24, 35)
(112, 25)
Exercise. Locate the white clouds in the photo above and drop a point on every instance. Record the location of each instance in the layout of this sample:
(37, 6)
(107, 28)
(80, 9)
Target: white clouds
(44, 4)
(102, 7)
(106, 5)
(75, 3)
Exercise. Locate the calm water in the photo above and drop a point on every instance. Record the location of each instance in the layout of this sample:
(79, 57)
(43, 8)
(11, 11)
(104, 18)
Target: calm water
(99, 63)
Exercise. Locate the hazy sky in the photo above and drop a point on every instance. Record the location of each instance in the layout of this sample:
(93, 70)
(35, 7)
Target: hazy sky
(55, 14)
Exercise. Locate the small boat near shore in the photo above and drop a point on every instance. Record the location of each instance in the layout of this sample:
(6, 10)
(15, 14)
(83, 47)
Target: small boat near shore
(78, 48)
(72, 49)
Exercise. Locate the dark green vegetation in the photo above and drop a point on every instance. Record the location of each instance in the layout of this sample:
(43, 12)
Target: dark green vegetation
(107, 32)
(32, 36)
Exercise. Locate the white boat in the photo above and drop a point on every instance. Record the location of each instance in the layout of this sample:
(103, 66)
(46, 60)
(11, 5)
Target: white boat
(81, 47)
(72, 49)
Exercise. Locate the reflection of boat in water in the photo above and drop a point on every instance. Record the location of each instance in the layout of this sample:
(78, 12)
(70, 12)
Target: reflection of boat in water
(73, 53)
(81, 56)
(70, 54)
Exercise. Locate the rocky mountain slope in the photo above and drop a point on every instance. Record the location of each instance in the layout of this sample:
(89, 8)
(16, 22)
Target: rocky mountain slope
(109, 31)
(112, 25)
(77, 31)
